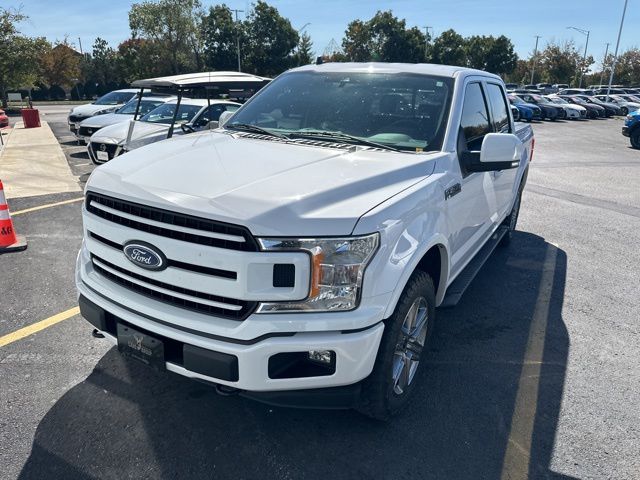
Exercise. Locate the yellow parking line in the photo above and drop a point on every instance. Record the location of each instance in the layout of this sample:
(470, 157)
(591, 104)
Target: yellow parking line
(517, 457)
(36, 327)
(48, 205)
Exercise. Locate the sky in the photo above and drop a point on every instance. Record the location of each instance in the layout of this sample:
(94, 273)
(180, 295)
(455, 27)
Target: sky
(520, 20)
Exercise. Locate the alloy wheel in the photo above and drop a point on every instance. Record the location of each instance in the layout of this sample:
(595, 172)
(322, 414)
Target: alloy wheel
(410, 344)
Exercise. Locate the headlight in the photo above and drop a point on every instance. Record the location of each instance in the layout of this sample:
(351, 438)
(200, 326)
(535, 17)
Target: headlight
(337, 269)
(629, 117)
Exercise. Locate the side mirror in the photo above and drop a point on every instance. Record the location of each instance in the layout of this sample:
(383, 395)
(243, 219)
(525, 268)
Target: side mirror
(224, 118)
(212, 125)
(499, 151)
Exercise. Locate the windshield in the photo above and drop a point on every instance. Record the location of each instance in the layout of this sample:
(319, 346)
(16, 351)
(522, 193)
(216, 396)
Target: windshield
(115, 98)
(578, 100)
(145, 106)
(515, 100)
(401, 110)
(164, 113)
(558, 100)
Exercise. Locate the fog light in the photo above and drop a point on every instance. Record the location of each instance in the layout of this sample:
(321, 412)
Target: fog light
(321, 356)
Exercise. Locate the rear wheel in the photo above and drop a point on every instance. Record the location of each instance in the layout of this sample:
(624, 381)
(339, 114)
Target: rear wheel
(406, 334)
(625, 111)
(635, 138)
(511, 221)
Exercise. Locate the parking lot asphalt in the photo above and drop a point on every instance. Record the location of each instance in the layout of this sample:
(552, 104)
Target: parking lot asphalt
(535, 373)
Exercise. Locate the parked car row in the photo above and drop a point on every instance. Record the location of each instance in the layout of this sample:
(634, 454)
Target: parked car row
(127, 119)
(571, 106)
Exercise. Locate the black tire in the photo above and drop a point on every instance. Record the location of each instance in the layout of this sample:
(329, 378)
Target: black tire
(635, 138)
(512, 220)
(625, 111)
(378, 398)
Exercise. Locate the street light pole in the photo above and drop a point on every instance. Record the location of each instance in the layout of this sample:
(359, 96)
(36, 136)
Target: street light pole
(426, 41)
(535, 58)
(615, 55)
(604, 64)
(584, 57)
(237, 34)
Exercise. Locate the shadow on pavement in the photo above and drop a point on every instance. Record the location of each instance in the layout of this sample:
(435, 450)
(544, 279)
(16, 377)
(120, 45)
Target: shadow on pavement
(486, 407)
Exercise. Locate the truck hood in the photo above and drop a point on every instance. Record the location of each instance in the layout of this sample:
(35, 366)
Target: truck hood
(143, 133)
(99, 121)
(271, 187)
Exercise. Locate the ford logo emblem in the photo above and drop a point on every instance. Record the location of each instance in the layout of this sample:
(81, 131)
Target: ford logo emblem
(144, 255)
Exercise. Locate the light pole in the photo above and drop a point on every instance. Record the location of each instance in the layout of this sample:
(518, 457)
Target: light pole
(426, 40)
(237, 34)
(615, 55)
(584, 58)
(300, 31)
(604, 64)
(535, 58)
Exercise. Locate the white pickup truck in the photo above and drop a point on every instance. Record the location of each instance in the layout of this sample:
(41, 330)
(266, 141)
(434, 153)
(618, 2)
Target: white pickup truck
(297, 254)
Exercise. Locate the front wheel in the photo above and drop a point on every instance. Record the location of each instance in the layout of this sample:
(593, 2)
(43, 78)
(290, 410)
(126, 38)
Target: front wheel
(406, 334)
(625, 111)
(635, 138)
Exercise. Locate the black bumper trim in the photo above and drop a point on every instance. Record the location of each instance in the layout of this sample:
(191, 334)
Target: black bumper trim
(330, 398)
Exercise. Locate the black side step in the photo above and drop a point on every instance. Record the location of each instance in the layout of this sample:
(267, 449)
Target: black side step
(466, 276)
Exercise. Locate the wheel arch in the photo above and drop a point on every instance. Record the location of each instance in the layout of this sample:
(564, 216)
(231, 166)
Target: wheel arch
(432, 259)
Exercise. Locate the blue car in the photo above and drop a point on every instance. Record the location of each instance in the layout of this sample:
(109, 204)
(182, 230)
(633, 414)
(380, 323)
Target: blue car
(528, 111)
(631, 128)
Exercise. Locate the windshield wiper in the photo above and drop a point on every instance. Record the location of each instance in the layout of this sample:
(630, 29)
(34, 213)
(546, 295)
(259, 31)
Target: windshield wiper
(342, 136)
(247, 127)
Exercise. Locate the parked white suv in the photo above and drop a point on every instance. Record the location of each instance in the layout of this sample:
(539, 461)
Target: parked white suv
(297, 254)
(106, 104)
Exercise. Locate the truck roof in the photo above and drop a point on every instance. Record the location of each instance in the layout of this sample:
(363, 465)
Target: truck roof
(420, 68)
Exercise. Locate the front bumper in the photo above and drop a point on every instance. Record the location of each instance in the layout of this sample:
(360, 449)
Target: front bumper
(626, 131)
(355, 350)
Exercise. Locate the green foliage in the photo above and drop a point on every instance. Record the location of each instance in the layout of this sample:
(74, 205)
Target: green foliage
(268, 41)
(449, 49)
(559, 63)
(384, 38)
(219, 33)
(19, 60)
(173, 26)
(304, 53)
(492, 54)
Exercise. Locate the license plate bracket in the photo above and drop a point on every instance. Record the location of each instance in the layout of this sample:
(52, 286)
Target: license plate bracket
(141, 346)
(102, 155)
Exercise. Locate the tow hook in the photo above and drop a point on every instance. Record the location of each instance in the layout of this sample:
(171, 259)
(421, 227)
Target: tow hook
(226, 391)
(96, 333)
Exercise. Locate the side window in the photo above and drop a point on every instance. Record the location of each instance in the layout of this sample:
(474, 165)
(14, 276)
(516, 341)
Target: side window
(499, 112)
(475, 118)
(210, 114)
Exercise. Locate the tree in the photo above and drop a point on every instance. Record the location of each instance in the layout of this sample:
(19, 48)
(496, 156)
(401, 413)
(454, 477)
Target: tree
(495, 55)
(627, 68)
(558, 63)
(19, 66)
(173, 25)
(304, 53)
(449, 49)
(60, 65)
(269, 41)
(139, 58)
(104, 66)
(384, 38)
(219, 34)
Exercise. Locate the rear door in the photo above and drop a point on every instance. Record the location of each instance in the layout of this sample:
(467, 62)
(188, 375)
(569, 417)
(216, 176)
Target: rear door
(503, 180)
(470, 198)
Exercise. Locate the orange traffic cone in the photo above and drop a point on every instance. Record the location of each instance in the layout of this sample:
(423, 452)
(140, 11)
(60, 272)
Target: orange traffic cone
(9, 240)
